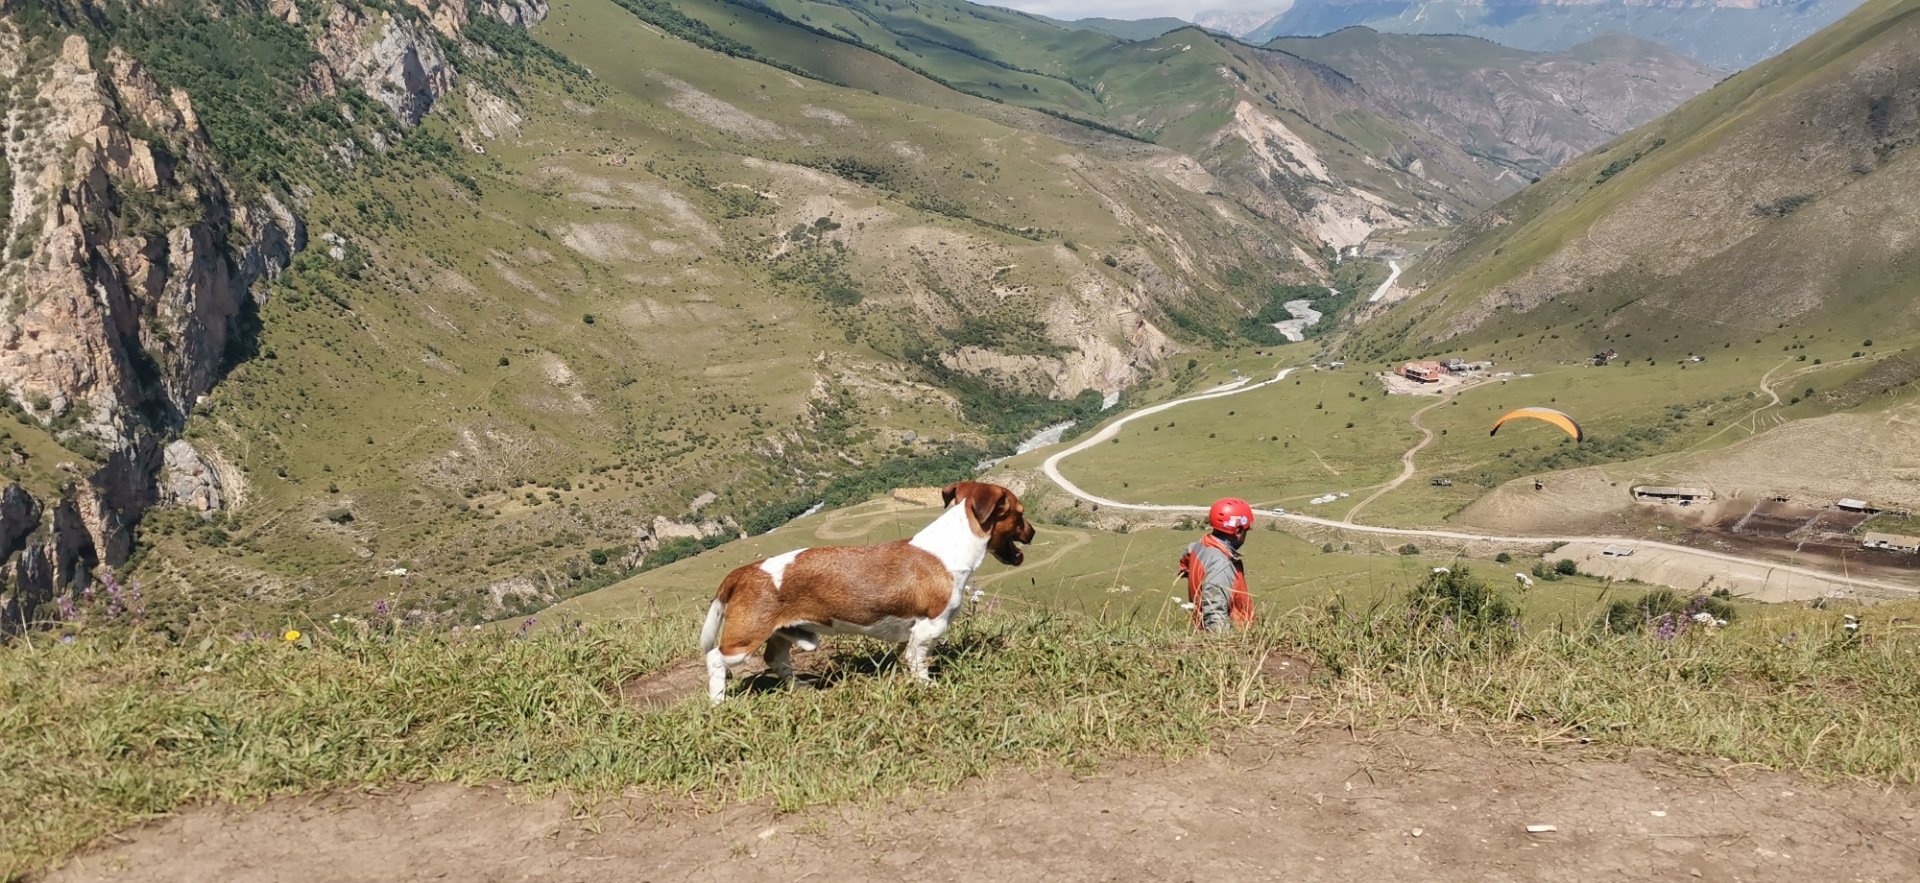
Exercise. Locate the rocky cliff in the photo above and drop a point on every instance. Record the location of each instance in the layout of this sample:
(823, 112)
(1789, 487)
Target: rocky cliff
(131, 260)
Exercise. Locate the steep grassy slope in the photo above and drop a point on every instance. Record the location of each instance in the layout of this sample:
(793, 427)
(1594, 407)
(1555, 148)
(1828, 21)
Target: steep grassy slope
(1783, 198)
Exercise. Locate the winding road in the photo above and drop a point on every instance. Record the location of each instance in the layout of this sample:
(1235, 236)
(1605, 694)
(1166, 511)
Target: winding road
(1393, 273)
(1051, 467)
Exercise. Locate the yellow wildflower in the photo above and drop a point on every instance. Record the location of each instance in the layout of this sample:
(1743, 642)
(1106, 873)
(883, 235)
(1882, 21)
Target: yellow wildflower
(293, 635)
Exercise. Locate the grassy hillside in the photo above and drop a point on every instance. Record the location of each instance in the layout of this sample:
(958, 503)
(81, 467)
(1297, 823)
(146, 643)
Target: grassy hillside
(1771, 202)
(1125, 29)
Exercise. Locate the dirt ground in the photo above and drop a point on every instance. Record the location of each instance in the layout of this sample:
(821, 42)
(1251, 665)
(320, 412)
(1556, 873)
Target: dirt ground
(1319, 804)
(1693, 573)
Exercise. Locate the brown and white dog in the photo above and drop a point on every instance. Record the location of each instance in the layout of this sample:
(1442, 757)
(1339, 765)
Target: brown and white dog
(905, 591)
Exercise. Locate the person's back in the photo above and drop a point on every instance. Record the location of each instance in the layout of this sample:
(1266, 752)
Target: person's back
(1216, 576)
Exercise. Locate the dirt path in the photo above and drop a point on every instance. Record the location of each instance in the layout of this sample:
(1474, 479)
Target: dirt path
(1406, 459)
(1323, 804)
(1767, 383)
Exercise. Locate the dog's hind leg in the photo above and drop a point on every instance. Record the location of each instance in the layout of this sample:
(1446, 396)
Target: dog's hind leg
(779, 658)
(718, 666)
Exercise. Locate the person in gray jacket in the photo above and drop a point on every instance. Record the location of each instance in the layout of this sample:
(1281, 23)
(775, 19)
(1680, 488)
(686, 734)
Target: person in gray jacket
(1216, 576)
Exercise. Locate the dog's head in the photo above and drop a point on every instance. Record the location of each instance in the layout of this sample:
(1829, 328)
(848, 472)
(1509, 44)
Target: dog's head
(996, 514)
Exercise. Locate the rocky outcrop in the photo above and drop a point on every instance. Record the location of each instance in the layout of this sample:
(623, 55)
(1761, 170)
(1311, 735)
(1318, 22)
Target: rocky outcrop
(393, 60)
(123, 307)
(19, 516)
(130, 264)
(520, 13)
(44, 553)
(189, 480)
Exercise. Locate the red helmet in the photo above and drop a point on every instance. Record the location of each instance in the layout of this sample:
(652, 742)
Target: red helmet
(1230, 515)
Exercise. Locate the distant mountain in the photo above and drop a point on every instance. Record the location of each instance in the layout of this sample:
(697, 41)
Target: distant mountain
(1729, 34)
(1239, 23)
(1512, 110)
(1787, 196)
(1125, 29)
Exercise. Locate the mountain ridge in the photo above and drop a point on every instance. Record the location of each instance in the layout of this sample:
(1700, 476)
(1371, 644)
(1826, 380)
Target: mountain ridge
(1723, 33)
(1730, 185)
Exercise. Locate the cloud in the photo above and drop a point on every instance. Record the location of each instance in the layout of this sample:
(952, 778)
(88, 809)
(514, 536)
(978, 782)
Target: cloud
(1070, 10)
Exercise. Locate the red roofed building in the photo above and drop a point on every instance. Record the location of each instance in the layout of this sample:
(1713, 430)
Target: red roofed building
(1423, 372)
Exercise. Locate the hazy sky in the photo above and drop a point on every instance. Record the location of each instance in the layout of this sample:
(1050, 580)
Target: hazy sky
(1073, 9)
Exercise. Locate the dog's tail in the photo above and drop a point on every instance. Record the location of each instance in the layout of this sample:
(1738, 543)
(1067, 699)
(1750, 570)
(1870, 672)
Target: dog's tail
(710, 633)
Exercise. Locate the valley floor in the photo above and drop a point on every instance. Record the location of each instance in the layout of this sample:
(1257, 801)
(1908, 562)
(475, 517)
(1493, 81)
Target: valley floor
(1315, 803)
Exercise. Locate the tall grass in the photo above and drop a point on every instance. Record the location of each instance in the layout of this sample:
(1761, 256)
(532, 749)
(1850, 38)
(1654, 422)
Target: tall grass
(107, 730)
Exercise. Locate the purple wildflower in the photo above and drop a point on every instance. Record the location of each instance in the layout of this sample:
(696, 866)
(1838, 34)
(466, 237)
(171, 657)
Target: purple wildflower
(527, 625)
(381, 608)
(66, 639)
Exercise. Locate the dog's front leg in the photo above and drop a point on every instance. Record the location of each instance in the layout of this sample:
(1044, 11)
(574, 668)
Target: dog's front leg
(920, 641)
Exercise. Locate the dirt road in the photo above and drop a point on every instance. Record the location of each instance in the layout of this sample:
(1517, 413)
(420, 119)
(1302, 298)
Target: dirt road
(1319, 805)
(1706, 558)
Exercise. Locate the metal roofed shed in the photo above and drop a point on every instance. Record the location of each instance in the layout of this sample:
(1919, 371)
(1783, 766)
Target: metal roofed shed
(1682, 495)
(1853, 505)
(1890, 542)
(1616, 551)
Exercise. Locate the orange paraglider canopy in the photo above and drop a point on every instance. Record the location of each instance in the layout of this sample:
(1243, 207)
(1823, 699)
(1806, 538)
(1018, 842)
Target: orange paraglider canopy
(1548, 414)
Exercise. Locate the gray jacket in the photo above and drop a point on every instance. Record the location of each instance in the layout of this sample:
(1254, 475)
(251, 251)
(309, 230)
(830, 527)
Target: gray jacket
(1216, 585)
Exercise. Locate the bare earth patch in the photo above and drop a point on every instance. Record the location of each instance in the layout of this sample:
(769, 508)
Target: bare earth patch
(1323, 804)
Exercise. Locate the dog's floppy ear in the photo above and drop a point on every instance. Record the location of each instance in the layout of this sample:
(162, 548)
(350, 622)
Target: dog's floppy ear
(986, 502)
(946, 494)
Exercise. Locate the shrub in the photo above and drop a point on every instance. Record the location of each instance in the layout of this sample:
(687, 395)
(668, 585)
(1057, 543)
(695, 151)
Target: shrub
(1666, 612)
(1502, 558)
(1566, 567)
(339, 516)
(1456, 595)
(1409, 549)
